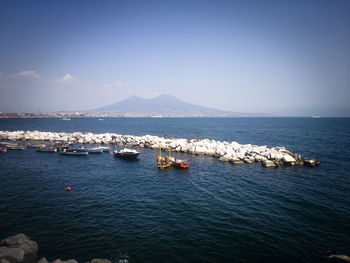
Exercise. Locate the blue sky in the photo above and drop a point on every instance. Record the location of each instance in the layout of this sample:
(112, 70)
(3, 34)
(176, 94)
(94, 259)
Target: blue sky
(281, 57)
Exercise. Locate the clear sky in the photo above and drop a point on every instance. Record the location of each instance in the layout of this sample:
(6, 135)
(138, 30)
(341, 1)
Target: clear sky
(280, 57)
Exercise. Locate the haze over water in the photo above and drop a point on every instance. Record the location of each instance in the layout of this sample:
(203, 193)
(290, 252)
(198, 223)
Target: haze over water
(214, 212)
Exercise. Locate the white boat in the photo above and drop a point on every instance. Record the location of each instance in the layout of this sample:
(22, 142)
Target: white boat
(65, 117)
(105, 148)
(95, 150)
(47, 148)
(127, 153)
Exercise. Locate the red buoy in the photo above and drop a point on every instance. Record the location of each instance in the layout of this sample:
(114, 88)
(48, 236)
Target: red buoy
(68, 188)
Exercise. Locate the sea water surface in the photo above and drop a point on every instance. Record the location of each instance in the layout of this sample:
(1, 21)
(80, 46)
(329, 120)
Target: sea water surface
(212, 212)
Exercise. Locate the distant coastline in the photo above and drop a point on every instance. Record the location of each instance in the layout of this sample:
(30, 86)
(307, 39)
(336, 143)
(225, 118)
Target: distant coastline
(140, 115)
(120, 115)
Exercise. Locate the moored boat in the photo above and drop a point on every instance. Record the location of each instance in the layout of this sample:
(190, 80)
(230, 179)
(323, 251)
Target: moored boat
(95, 150)
(47, 148)
(15, 146)
(179, 163)
(66, 117)
(164, 162)
(33, 144)
(62, 145)
(75, 151)
(105, 148)
(126, 153)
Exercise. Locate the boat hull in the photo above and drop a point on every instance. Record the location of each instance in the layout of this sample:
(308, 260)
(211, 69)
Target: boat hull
(164, 166)
(105, 148)
(47, 150)
(181, 165)
(15, 148)
(97, 150)
(126, 155)
(75, 153)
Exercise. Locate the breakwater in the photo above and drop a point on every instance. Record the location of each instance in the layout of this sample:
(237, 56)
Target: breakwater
(226, 151)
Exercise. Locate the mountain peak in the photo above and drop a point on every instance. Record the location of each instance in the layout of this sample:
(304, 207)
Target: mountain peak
(164, 104)
(165, 96)
(134, 97)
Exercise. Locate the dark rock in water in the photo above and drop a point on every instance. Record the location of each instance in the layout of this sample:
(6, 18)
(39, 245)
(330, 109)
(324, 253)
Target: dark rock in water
(278, 163)
(18, 249)
(64, 261)
(100, 260)
(310, 162)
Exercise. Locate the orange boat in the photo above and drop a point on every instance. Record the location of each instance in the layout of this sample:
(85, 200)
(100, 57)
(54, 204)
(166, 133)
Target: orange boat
(179, 163)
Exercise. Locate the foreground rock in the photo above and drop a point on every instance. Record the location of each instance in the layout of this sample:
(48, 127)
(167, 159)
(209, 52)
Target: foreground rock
(20, 249)
(232, 152)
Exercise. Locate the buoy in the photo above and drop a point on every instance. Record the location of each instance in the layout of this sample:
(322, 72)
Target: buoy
(68, 188)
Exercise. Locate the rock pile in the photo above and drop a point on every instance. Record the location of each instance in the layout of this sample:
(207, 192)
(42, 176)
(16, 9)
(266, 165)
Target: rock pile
(226, 151)
(20, 249)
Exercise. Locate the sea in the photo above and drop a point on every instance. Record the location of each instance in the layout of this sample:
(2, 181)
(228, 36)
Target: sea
(130, 211)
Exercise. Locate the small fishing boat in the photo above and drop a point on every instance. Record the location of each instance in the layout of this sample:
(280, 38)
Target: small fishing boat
(179, 163)
(33, 144)
(163, 162)
(126, 153)
(3, 149)
(62, 145)
(66, 117)
(75, 151)
(16, 146)
(95, 150)
(47, 148)
(105, 148)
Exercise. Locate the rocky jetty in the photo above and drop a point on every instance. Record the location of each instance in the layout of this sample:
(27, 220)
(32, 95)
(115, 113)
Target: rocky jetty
(232, 152)
(20, 249)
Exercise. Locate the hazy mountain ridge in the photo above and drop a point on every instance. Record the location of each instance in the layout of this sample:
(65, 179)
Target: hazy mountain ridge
(165, 105)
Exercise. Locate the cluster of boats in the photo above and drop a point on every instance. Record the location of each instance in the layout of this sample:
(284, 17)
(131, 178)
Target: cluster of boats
(62, 147)
(65, 148)
(168, 161)
(162, 161)
(4, 146)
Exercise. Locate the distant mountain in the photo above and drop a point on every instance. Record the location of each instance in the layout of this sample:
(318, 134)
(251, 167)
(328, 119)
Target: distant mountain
(163, 105)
